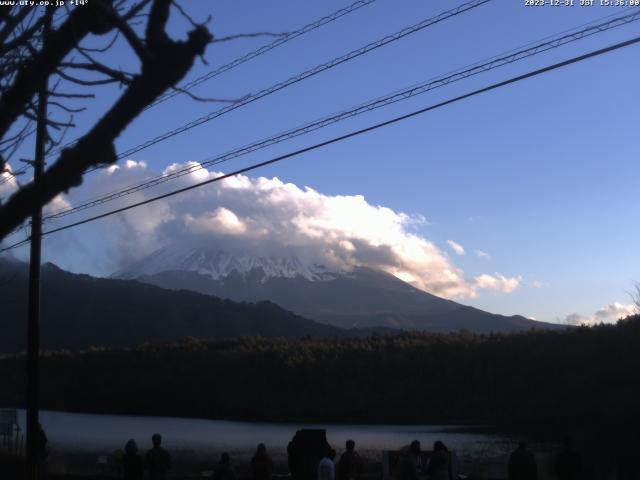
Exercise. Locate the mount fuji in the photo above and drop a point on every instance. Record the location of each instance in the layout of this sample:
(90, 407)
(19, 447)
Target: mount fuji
(357, 298)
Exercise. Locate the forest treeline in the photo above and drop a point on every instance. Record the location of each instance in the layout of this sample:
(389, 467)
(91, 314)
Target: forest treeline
(565, 378)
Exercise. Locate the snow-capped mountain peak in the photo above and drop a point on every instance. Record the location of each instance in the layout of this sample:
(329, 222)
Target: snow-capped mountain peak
(219, 264)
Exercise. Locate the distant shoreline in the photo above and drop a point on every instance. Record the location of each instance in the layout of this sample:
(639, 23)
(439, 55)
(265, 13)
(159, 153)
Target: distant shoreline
(445, 427)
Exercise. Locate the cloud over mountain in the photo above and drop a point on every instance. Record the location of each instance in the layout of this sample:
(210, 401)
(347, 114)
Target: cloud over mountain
(268, 216)
(610, 313)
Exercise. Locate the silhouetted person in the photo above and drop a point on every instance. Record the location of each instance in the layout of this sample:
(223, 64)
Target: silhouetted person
(522, 464)
(261, 464)
(326, 467)
(568, 463)
(350, 464)
(440, 462)
(224, 470)
(410, 464)
(132, 468)
(157, 460)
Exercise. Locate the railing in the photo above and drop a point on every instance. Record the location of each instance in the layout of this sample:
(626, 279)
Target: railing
(11, 440)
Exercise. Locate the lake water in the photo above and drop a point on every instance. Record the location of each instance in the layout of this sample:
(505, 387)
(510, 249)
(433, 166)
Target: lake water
(70, 433)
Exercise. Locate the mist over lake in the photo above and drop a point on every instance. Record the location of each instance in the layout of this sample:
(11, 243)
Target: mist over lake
(103, 434)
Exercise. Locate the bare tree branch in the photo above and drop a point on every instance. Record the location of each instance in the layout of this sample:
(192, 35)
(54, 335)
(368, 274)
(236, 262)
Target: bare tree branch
(66, 108)
(188, 17)
(132, 38)
(249, 35)
(635, 296)
(12, 22)
(135, 10)
(116, 75)
(80, 23)
(16, 136)
(164, 64)
(71, 95)
(86, 83)
(109, 44)
(206, 99)
(22, 38)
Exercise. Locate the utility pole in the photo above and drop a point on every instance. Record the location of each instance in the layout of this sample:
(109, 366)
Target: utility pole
(33, 325)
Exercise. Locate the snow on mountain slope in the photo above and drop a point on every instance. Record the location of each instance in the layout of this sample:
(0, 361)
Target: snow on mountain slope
(219, 264)
(361, 297)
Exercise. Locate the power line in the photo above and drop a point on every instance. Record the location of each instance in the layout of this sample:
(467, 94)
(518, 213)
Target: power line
(250, 56)
(305, 75)
(265, 48)
(16, 245)
(9, 175)
(355, 133)
(397, 96)
(302, 76)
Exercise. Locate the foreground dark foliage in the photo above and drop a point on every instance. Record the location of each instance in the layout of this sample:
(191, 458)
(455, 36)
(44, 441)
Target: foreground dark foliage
(559, 379)
(31, 53)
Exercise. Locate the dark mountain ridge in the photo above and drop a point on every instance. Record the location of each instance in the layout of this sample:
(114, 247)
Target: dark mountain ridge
(363, 298)
(79, 311)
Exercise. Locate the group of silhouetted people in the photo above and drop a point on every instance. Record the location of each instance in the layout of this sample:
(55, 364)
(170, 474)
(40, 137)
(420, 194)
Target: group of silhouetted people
(438, 467)
(157, 461)
(411, 466)
(261, 466)
(349, 466)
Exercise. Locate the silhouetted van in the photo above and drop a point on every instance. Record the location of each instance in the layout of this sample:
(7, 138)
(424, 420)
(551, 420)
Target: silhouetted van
(305, 450)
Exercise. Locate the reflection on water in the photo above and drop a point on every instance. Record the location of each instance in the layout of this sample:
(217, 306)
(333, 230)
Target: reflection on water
(91, 433)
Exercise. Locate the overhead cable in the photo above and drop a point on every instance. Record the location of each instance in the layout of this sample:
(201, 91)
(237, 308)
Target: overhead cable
(305, 75)
(331, 141)
(281, 40)
(363, 108)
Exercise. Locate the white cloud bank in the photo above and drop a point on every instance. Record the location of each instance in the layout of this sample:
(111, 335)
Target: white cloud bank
(266, 215)
(608, 314)
(498, 282)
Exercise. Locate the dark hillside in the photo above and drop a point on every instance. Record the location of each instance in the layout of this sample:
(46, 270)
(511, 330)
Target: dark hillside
(79, 311)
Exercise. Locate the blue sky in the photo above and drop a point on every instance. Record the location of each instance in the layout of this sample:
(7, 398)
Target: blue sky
(541, 175)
